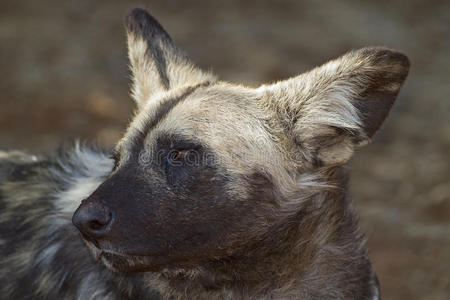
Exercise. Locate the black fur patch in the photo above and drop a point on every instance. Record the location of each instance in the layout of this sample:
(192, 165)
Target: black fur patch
(141, 23)
(375, 103)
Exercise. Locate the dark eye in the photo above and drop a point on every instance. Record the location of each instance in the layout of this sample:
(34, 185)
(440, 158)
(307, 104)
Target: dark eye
(179, 154)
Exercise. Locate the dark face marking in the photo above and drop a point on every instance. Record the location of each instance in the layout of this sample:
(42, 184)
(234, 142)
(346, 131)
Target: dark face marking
(167, 106)
(170, 214)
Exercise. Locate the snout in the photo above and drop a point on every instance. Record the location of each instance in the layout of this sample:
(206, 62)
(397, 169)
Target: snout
(93, 219)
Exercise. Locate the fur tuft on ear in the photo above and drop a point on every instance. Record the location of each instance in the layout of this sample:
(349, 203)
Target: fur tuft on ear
(157, 64)
(338, 106)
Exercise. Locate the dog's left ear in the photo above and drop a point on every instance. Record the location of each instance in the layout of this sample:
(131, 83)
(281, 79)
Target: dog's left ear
(157, 64)
(335, 108)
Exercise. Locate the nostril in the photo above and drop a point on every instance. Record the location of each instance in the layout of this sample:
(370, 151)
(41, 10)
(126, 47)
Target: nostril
(100, 222)
(93, 219)
(95, 225)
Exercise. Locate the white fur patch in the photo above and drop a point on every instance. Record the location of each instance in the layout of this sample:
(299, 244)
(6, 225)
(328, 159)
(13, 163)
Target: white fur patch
(68, 201)
(92, 168)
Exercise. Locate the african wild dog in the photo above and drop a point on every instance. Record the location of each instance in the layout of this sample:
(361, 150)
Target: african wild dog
(215, 191)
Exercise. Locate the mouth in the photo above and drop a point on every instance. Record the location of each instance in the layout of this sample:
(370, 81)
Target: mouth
(124, 263)
(121, 262)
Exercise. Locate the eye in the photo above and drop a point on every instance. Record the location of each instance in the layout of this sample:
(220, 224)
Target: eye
(179, 154)
(183, 154)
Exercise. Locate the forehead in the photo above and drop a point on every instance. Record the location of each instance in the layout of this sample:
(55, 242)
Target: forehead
(227, 120)
(204, 113)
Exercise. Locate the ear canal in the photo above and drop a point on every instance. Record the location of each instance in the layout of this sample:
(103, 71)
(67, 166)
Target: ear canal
(338, 106)
(156, 63)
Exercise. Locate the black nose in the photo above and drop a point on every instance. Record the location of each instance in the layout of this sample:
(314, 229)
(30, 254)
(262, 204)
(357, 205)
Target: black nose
(93, 219)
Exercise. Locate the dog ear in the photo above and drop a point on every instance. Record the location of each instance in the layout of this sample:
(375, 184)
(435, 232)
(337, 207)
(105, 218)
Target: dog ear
(157, 64)
(338, 106)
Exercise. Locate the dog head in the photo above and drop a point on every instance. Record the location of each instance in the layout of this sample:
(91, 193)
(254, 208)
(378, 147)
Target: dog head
(207, 167)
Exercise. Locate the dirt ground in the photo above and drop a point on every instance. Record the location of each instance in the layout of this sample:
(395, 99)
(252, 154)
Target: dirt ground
(63, 74)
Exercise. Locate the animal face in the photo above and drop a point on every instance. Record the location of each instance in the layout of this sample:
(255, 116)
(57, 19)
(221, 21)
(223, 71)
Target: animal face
(207, 168)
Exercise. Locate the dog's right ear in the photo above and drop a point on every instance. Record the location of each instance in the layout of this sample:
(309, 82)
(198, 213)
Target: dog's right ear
(157, 64)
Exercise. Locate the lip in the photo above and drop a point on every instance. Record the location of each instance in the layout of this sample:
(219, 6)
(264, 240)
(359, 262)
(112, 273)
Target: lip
(120, 262)
(115, 262)
(123, 263)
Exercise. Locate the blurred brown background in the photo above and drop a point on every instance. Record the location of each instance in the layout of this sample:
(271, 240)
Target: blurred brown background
(64, 74)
